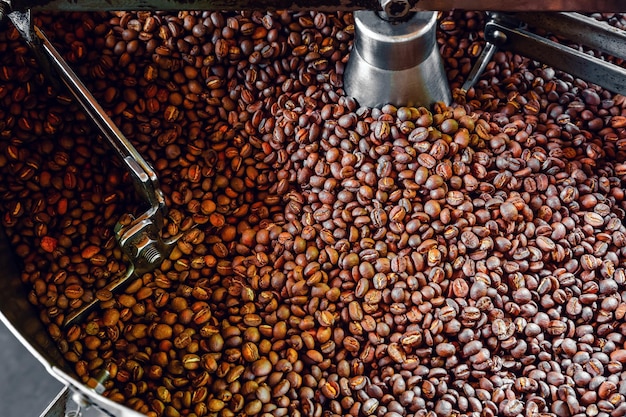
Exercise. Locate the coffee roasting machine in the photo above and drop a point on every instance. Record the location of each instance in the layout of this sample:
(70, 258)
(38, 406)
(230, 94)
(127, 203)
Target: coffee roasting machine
(395, 59)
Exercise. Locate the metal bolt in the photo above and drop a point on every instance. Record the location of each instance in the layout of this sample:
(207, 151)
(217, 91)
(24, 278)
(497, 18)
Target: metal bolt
(97, 383)
(146, 249)
(395, 9)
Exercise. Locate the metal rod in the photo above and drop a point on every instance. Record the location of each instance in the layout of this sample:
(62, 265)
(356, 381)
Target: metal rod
(115, 285)
(146, 180)
(580, 29)
(480, 66)
(323, 5)
(577, 63)
(141, 239)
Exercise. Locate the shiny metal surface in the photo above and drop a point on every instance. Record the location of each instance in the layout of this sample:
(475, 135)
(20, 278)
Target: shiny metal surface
(481, 63)
(58, 406)
(580, 29)
(327, 5)
(65, 404)
(91, 403)
(395, 62)
(587, 31)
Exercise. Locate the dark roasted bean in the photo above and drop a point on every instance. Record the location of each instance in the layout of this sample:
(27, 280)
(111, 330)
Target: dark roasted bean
(463, 259)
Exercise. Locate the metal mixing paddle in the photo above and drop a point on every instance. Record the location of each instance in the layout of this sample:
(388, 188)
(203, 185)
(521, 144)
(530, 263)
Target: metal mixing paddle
(140, 239)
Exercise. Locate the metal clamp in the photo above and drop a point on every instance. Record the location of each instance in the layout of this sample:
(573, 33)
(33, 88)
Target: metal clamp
(141, 239)
(510, 31)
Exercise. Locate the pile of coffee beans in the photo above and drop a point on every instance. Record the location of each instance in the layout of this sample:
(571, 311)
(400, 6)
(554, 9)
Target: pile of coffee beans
(462, 260)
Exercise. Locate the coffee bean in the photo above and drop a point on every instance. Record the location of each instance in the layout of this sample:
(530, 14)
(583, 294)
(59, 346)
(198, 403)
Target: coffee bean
(334, 259)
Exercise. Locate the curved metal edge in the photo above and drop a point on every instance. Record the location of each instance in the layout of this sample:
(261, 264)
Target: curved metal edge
(20, 317)
(90, 400)
(321, 5)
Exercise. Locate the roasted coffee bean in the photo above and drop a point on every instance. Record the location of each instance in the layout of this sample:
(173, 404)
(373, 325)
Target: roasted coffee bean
(334, 259)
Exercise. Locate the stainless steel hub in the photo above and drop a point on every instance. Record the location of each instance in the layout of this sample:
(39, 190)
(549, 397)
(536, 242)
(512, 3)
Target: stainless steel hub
(396, 61)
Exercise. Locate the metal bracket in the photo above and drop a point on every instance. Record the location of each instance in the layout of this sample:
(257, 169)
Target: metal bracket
(510, 31)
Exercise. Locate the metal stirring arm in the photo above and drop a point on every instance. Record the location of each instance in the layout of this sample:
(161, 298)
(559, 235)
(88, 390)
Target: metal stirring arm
(510, 32)
(140, 239)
